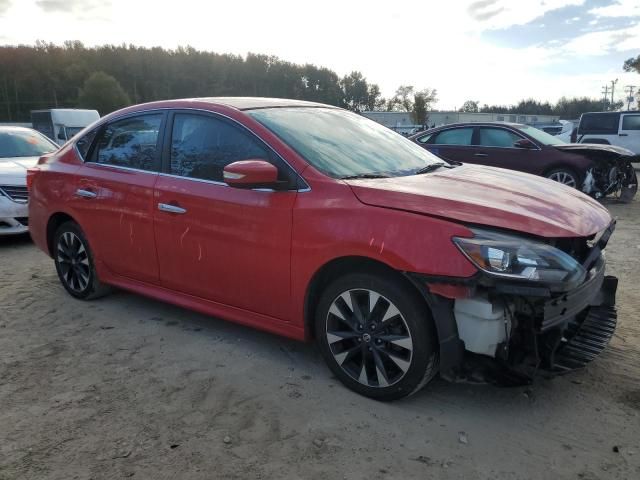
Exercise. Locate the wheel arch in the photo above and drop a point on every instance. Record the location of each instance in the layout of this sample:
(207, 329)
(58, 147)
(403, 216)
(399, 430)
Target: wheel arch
(55, 220)
(337, 267)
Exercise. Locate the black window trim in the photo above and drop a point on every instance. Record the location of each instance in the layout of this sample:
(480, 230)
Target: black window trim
(298, 184)
(102, 127)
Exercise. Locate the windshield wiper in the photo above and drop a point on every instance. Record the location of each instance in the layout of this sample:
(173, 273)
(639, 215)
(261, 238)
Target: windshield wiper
(429, 168)
(364, 175)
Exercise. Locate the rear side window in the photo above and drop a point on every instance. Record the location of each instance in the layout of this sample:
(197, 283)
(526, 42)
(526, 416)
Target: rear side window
(631, 122)
(201, 146)
(455, 136)
(600, 123)
(131, 142)
(497, 137)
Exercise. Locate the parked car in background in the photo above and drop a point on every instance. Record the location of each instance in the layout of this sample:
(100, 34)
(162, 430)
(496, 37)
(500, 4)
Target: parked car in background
(314, 222)
(621, 129)
(20, 149)
(61, 124)
(597, 170)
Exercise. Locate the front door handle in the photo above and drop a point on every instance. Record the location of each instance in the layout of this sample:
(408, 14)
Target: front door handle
(480, 155)
(86, 193)
(165, 207)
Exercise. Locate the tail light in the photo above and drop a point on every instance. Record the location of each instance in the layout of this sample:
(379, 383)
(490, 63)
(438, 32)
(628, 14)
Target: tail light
(31, 174)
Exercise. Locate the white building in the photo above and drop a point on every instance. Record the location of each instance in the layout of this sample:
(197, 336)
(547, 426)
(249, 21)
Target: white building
(403, 122)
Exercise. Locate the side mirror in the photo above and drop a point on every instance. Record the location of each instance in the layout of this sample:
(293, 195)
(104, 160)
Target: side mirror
(525, 143)
(250, 174)
(61, 135)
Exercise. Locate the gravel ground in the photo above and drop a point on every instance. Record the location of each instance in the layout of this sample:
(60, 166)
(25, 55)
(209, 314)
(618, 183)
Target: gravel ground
(130, 387)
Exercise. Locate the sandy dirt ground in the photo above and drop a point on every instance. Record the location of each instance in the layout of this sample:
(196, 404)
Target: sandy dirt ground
(127, 387)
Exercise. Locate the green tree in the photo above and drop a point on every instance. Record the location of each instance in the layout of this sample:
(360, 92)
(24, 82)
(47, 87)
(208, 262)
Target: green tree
(422, 102)
(470, 106)
(402, 100)
(103, 93)
(356, 91)
(632, 65)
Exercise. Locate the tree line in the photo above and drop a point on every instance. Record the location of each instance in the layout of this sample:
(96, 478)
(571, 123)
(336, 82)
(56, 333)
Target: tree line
(109, 77)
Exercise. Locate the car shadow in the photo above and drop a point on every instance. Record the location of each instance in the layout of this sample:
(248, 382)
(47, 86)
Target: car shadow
(15, 240)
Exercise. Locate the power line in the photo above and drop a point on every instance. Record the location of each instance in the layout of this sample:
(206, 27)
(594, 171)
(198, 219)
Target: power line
(629, 89)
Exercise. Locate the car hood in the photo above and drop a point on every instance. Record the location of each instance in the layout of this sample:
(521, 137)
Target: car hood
(13, 171)
(581, 147)
(490, 196)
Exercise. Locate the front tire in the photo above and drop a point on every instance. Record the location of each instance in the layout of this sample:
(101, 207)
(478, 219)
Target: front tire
(564, 176)
(74, 263)
(377, 336)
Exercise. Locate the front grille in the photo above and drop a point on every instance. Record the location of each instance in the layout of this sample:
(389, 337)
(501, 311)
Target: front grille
(16, 193)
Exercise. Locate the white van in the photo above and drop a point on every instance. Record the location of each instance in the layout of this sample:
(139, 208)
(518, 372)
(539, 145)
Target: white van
(60, 124)
(621, 129)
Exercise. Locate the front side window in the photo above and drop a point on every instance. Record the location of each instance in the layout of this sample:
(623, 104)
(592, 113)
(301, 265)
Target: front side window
(455, 136)
(201, 146)
(24, 143)
(84, 143)
(631, 122)
(131, 142)
(497, 137)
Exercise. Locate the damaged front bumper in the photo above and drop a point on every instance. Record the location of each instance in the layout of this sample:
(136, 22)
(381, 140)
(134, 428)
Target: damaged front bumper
(507, 332)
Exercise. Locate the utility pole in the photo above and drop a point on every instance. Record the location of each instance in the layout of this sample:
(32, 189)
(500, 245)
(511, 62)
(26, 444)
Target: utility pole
(629, 89)
(605, 98)
(613, 87)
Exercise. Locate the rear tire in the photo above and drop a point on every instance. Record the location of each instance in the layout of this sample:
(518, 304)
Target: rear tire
(377, 336)
(564, 176)
(74, 263)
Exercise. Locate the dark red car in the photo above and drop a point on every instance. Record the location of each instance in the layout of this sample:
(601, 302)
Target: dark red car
(313, 222)
(595, 169)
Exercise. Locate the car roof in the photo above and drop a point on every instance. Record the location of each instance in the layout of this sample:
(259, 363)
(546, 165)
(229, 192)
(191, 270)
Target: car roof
(252, 103)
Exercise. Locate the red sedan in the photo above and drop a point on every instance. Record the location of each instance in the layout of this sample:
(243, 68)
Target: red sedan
(313, 222)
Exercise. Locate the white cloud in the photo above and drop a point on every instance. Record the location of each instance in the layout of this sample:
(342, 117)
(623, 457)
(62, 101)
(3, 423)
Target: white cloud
(604, 42)
(620, 8)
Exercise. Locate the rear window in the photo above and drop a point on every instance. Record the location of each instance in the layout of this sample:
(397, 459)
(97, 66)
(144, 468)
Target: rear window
(455, 136)
(600, 123)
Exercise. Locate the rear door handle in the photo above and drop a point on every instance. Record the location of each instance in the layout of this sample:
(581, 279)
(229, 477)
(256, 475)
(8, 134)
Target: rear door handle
(480, 154)
(623, 134)
(165, 207)
(86, 193)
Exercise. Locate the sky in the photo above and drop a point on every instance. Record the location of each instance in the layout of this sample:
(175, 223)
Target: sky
(491, 51)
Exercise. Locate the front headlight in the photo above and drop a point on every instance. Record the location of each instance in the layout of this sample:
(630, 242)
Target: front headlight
(513, 257)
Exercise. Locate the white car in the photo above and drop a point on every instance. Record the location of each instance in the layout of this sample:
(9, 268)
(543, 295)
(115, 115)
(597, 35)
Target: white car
(621, 129)
(20, 149)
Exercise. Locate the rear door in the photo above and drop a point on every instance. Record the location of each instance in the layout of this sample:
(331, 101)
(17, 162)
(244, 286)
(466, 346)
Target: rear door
(220, 243)
(114, 194)
(451, 144)
(629, 136)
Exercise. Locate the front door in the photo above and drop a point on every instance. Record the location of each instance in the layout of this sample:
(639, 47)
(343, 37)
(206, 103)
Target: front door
(114, 195)
(217, 242)
(495, 146)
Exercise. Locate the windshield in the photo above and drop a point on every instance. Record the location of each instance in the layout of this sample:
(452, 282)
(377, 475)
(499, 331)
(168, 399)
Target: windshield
(540, 136)
(24, 143)
(344, 144)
